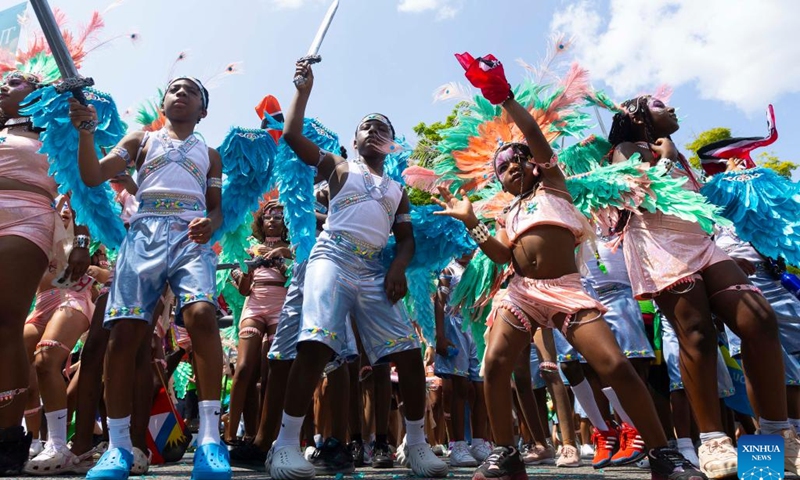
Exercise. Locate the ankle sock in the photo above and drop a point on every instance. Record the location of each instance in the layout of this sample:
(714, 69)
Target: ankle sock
(57, 426)
(772, 427)
(705, 437)
(119, 433)
(415, 432)
(612, 397)
(209, 422)
(289, 435)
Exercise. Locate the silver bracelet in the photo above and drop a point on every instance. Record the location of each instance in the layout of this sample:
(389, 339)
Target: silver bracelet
(480, 233)
(82, 241)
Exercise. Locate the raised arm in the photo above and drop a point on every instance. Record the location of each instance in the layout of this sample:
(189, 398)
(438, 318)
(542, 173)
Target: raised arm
(540, 147)
(95, 171)
(306, 150)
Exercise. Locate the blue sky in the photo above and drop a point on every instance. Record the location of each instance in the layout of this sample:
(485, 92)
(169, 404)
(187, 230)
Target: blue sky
(390, 55)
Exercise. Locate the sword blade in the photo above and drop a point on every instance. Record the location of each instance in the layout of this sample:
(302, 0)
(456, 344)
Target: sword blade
(54, 39)
(323, 29)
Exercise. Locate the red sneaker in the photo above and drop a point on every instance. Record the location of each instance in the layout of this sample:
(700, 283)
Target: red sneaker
(631, 446)
(605, 443)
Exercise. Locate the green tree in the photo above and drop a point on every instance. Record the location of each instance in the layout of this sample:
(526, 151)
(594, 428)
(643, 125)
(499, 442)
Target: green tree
(429, 136)
(704, 138)
(783, 168)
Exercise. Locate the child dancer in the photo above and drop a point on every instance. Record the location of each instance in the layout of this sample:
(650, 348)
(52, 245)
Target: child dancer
(345, 275)
(179, 209)
(541, 231)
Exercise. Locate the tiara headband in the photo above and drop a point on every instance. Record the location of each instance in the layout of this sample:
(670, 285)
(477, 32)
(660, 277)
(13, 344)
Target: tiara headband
(379, 118)
(198, 84)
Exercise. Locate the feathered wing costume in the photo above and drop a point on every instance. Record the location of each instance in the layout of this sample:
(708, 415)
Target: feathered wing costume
(763, 206)
(49, 110)
(600, 190)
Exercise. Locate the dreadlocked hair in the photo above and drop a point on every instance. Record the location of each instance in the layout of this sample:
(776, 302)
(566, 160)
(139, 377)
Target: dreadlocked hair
(623, 129)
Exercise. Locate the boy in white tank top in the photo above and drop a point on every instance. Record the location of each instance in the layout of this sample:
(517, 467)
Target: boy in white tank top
(179, 196)
(344, 275)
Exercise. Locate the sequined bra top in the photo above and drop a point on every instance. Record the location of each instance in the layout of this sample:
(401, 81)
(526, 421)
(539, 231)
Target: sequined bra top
(20, 161)
(172, 178)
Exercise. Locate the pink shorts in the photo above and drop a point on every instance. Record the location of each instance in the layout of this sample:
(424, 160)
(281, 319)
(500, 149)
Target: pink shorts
(50, 301)
(28, 215)
(264, 304)
(662, 250)
(543, 299)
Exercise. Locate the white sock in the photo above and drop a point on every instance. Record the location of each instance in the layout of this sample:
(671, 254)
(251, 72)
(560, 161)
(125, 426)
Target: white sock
(611, 395)
(705, 437)
(289, 434)
(119, 433)
(209, 422)
(772, 427)
(415, 432)
(57, 426)
(585, 396)
(795, 422)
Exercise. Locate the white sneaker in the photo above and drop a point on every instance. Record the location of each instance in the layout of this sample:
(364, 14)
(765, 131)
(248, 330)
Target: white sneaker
(288, 463)
(401, 455)
(36, 448)
(718, 458)
(460, 456)
(644, 463)
(310, 451)
(587, 451)
(423, 462)
(55, 459)
(480, 451)
(141, 462)
(791, 449)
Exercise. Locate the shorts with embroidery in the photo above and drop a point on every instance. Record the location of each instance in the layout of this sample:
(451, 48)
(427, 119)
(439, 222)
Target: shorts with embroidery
(671, 351)
(465, 363)
(790, 364)
(157, 251)
(343, 279)
(284, 344)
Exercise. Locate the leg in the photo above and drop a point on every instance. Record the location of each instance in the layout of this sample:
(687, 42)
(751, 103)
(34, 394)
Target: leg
(140, 415)
(545, 345)
(273, 403)
(247, 360)
(90, 374)
(33, 407)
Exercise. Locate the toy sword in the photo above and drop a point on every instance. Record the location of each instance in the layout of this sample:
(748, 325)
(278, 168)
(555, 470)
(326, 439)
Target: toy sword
(313, 51)
(70, 80)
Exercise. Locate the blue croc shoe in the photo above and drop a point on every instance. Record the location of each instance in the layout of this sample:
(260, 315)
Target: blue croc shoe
(115, 464)
(211, 462)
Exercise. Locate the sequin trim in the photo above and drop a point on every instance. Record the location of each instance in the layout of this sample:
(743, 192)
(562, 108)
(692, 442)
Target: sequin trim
(274, 356)
(165, 204)
(191, 297)
(174, 155)
(324, 331)
(214, 182)
(123, 154)
(354, 245)
(397, 341)
(403, 218)
(125, 312)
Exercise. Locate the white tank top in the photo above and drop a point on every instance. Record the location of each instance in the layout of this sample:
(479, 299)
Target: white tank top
(365, 206)
(172, 179)
(614, 263)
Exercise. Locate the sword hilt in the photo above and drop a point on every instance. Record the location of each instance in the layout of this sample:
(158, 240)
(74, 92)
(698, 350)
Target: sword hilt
(76, 86)
(309, 60)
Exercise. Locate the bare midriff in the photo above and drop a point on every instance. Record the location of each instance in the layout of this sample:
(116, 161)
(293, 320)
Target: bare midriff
(553, 261)
(10, 184)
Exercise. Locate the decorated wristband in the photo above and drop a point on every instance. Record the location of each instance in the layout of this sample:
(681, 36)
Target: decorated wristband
(82, 241)
(480, 233)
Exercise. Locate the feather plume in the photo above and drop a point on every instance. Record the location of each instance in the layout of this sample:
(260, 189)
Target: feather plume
(233, 68)
(113, 5)
(421, 178)
(573, 88)
(453, 91)
(664, 93)
(559, 45)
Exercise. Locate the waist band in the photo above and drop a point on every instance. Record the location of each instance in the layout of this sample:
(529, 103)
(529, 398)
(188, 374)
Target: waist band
(165, 204)
(352, 244)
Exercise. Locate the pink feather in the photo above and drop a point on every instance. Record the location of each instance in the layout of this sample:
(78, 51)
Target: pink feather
(575, 87)
(421, 178)
(663, 93)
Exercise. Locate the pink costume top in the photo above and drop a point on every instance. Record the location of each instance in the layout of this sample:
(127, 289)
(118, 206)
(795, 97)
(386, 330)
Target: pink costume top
(546, 209)
(26, 214)
(662, 251)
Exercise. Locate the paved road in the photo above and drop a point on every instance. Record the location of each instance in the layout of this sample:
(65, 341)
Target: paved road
(183, 469)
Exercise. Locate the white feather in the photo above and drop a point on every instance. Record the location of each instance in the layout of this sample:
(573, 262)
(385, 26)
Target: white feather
(453, 91)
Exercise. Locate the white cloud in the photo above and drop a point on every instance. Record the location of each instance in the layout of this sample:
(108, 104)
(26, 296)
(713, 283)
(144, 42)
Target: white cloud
(444, 8)
(739, 51)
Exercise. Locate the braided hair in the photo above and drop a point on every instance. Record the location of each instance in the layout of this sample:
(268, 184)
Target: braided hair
(257, 227)
(623, 128)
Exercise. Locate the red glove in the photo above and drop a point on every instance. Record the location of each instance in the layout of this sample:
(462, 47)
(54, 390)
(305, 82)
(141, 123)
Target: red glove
(487, 74)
